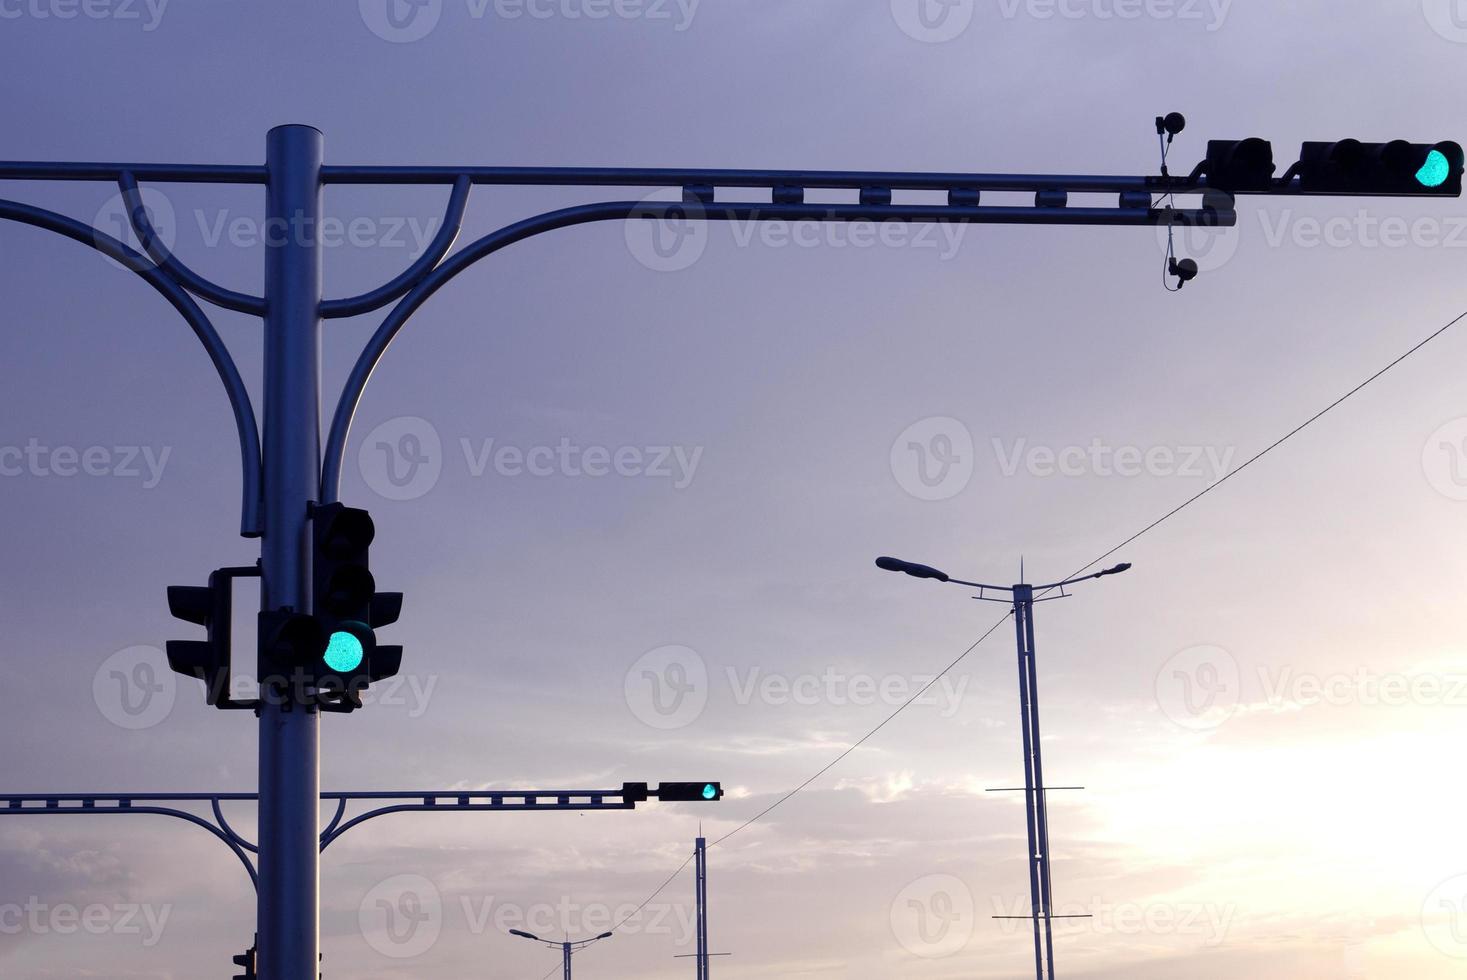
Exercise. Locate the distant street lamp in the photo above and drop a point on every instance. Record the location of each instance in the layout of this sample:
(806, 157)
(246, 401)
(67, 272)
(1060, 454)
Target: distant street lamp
(567, 948)
(1022, 597)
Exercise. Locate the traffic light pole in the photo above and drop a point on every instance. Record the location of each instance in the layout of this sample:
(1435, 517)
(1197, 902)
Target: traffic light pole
(290, 771)
(295, 468)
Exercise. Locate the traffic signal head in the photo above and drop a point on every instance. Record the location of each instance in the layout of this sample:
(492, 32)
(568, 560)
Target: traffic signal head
(349, 608)
(1239, 165)
(1393, 169)
(208, 659)
(690, 792)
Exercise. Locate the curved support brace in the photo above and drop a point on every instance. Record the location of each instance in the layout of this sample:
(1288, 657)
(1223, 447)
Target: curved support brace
(453, 221)
(239, 398)
(351, 394)
(331, 835)
(330, 832)
(346, 406)
(142, 225)
(224, 826)
(162, 811)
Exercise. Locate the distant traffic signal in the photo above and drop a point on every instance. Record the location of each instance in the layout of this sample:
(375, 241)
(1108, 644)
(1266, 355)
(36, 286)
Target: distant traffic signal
(1236, 166)
(689, 792)
(209, 659)
(349, 608)
(1397, 168)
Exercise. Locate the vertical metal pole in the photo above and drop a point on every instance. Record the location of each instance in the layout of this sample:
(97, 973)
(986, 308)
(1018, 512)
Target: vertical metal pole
(288, 906)
(701, 870)
(1023, 610)
(567, 948)
(1041, 796)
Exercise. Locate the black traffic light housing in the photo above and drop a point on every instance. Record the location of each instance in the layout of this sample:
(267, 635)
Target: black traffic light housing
(706, 792)
(1238, 166)
(209, 660)
(349, 608)
(1397, 168)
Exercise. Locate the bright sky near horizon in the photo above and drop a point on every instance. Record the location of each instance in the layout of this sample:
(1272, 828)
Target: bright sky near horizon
(633, 496)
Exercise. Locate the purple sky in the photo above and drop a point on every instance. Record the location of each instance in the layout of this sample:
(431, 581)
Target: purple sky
(763, 398)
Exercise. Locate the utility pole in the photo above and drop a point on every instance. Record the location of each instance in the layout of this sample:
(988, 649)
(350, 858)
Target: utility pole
(700, 852)
(700, 892)
(1022, 598)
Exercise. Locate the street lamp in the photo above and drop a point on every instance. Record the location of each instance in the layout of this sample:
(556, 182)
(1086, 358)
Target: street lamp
(567, 948)
(1022, 598)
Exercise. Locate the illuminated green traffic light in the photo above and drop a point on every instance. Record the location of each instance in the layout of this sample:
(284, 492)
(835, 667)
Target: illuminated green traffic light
(710, 792)
(1436, 170)
(344, 652)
